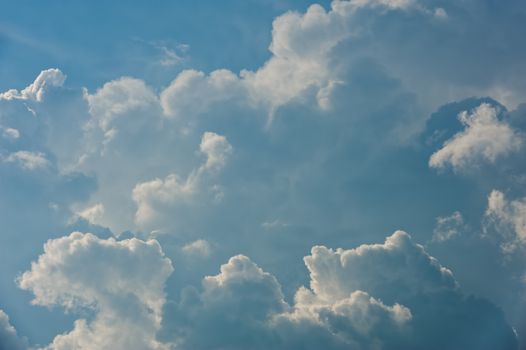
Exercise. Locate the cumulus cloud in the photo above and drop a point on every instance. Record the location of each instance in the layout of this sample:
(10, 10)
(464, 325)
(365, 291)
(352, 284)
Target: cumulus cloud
(10, 133)
(217, 150)
(509, 219)
(48, 78)
(28, 160)
(484, 139)
(345, 306)
(406, 268)
(118, 98)
(301, 63)
(447, 227)
(92, 214)
(155, 195)
(200, 248)
(9, 339)
(122, 282)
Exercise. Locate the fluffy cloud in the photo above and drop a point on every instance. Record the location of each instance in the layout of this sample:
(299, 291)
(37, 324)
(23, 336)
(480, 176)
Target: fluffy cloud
(200, 248)
(484, 139)
(156, 195)
(121, 281)
(217, 150)
(91, 214)
(244, 307)
(35, 92)
(10, 133)
(509, 219)
(406, 269)
(117, 99)
(302, 64)
(9, 340)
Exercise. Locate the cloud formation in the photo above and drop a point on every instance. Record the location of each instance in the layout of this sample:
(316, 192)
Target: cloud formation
(48, 78)
(385, 296)
(162, 194)
(9, 340)
(121, 282)
(484, 139)
(509, 219)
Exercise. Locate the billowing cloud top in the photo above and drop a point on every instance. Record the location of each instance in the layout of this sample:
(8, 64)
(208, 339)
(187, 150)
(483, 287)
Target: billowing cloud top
(224, 178)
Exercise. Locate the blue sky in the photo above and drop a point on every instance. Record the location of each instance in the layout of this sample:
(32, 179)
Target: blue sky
(263, 174)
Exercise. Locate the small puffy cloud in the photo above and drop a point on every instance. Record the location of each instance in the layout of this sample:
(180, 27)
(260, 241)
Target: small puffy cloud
(153, 196)
(92, 214)
(217, 150)
(406, 269)
(160, 192)
(28, 160)
(484, 139)
(508, 218)
(10, 133)
(48, 78)
(200, 248)
(121, 281)
(9, 339)
(447, 227)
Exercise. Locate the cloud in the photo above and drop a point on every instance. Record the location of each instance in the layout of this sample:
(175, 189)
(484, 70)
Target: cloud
(122, 282)
(117, 99)
(217, 150)
(28, 160)
(92, 214)
(47, 79)
(406, 269)
(9, 340)
(301, 62)
(192, 92)
(159, 194)
(484, 139)
(10, 133)
(508, 218)
(200, 248)
(447, 227)
(244, 307)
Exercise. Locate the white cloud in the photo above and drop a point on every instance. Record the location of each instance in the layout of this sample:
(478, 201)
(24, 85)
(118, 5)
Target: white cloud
(217, 150)
(121, 281)
(377, 269)
(9, 133)
(484, 139)
(118, 98)
(244, 307)
(301, 61)
(509, 219)
(48, 78)
(92, 214)
(448, 227)
(28, 160)
(9, 339)
(192, 92)
(199, 247)
(156, 195)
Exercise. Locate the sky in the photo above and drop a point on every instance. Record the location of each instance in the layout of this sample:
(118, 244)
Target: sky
(263, 174)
